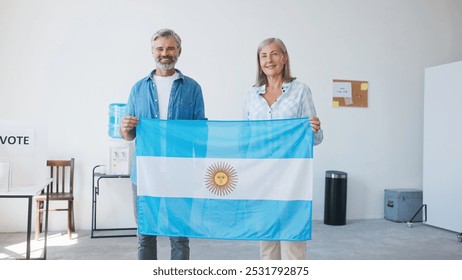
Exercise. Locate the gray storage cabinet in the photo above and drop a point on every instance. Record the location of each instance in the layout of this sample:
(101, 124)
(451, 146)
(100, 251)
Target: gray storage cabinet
(402, 204)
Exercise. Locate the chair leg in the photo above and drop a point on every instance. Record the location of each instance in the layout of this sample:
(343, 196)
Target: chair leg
(69, 232)
(73, 218)
(38, 219)
(70, 219)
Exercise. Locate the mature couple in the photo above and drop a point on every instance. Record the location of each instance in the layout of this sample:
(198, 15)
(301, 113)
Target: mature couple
(276, 95)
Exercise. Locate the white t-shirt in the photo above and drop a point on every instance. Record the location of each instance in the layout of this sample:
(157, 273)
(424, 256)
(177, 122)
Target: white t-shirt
(164, 87)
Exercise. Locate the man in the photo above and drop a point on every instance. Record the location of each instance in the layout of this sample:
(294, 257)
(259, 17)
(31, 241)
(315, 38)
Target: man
(165, 94)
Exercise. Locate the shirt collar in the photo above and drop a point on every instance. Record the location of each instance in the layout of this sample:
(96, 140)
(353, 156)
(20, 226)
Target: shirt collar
(262, 89)
(181, 76)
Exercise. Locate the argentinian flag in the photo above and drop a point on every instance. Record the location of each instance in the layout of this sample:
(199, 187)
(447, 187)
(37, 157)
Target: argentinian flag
(248, 180)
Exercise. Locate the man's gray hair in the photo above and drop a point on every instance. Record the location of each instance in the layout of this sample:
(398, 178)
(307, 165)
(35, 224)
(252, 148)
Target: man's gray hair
(166, 33)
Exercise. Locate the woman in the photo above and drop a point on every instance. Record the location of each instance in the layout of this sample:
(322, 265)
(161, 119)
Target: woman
(277, 95)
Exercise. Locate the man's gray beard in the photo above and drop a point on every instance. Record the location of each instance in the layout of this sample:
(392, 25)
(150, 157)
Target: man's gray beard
(165, 67)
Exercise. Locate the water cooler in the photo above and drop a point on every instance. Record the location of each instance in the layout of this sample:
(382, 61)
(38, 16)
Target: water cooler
(121, 152)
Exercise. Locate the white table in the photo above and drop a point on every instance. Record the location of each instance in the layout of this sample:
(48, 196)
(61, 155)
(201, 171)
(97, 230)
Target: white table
(29, 192)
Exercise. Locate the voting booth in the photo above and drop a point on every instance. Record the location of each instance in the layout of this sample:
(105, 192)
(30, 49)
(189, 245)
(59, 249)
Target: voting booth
(23, 155)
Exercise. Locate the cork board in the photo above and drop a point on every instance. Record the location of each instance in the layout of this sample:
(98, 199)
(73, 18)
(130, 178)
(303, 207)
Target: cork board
(348, 93)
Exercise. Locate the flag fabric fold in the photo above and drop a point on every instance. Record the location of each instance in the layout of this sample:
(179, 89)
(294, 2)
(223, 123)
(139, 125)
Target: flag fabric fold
(245, 180)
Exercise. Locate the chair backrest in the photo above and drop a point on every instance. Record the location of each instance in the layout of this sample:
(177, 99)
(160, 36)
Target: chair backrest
(62, 173)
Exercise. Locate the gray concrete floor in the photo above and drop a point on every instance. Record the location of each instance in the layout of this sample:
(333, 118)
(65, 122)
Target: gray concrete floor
(375, 239)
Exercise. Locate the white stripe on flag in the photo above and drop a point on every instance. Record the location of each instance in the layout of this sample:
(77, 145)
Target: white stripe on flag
(263, 179)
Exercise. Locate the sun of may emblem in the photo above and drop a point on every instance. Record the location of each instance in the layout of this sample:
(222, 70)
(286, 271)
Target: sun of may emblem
(221, 178)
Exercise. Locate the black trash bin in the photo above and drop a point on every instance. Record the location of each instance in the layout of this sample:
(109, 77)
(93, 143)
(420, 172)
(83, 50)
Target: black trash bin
(335, 199)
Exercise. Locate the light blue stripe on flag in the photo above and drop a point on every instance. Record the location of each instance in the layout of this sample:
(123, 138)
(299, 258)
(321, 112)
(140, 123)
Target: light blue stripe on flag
(248, 180)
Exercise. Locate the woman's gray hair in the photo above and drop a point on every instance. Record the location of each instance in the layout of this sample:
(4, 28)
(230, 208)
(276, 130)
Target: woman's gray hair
(166, 33)
(286, 76)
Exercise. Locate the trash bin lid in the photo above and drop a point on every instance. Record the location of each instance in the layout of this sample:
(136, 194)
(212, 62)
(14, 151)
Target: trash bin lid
(335, 174)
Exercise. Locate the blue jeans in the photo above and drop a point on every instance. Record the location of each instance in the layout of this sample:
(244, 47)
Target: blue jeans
(147, 244)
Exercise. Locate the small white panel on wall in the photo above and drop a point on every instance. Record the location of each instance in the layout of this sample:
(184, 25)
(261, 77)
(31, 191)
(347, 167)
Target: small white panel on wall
(442, 155)
(5, 175)
(121, 154)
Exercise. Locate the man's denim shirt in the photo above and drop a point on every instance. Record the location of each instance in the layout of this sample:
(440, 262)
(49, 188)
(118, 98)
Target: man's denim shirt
(186, 102)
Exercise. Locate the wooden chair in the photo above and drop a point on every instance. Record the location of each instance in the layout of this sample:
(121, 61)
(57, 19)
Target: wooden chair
(61, 189)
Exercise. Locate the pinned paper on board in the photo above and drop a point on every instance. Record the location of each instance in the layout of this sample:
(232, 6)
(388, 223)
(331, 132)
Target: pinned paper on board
(364, 86)
(341, 89)
(349, 93)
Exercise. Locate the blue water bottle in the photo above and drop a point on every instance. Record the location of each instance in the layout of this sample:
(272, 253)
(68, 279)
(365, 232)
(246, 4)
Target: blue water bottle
(116, 112)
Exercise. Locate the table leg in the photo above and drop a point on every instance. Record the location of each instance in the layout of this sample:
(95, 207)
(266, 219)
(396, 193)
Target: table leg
(93, 207)
(29, 227)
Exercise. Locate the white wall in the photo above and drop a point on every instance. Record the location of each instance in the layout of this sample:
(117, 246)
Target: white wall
(63, 62)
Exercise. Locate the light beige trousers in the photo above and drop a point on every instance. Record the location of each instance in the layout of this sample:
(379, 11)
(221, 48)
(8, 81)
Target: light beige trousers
(283, 250)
